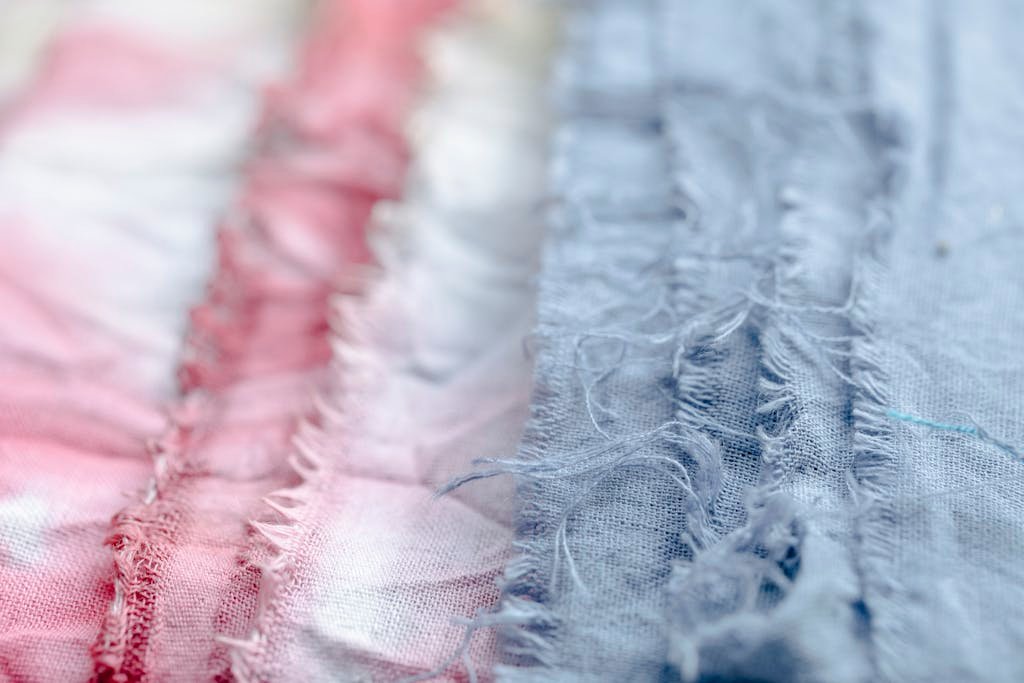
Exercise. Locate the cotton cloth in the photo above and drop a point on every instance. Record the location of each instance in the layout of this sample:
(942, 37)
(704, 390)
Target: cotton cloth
(109, 182)
(596, 530)
(190, 554)
(750, 454)
(942, 532)
(377, 579)
(283, 399)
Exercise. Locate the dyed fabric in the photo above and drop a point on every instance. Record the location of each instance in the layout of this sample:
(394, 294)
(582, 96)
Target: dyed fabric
(411, 340)
(598, 524)
(97, 265)
(375, 578)
(759, 450)
(190, 555)
(938, 421)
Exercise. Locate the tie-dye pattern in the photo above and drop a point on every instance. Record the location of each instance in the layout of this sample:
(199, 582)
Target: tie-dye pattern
(258, 383)
(107, 196)
(375, 579)
(327, 149)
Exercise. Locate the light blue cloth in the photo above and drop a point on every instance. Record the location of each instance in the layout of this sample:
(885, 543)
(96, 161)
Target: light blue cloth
(779, 379)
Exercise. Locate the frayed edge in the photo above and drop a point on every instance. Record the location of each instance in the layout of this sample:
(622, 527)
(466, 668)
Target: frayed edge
(747, 554)
(135, 538)
(528, 627)
(873, 470)
(524, 620)
(353, 340)
(779, 409)
(736, 569)
(278, 538)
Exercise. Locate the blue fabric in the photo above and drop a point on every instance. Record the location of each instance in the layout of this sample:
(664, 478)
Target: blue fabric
(778, 376)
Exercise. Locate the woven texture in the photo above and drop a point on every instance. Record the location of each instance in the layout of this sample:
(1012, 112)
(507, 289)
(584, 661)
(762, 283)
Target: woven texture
(756, 449)
(284, 398)
(98, 265)
(944, 534)
(190, 555)
(377, 579)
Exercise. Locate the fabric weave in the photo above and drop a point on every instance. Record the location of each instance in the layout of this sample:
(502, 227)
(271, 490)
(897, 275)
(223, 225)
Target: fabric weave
(106, 222)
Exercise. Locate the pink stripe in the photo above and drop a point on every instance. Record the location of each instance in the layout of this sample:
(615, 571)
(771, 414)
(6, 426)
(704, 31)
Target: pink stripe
(189, 568)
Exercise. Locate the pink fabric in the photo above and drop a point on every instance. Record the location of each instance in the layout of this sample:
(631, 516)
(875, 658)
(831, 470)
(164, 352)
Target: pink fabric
(91, 307)
(372, 577)
(329, 146)
(268, 453)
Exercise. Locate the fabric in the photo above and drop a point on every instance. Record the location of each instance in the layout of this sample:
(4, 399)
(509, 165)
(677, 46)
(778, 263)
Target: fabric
(99, 261)
(939, 416)
(515, 340)
(189, 570)
(750, 455)
(579, 604)
(376, 579)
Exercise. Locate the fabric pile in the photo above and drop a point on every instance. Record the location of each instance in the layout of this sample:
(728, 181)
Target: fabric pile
(515, 340)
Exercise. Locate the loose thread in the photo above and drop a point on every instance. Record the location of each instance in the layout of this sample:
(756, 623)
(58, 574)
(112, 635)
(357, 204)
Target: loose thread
(963, 429)
(970, 430)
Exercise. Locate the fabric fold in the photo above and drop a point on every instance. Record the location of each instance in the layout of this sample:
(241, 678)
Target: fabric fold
(98, 266)
(384, 581)
(192, 554)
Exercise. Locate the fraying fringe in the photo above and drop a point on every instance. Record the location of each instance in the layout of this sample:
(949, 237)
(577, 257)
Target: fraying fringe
(874, 457)
(139, 532)
(528, 626)
(732, 576)
(279, 539)
(291, 508)
(358, 355)
(736, 568)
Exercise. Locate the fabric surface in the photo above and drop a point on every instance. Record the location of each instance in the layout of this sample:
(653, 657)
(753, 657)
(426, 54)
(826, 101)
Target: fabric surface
(376, 578)
(582, 607)
(516, 340)
(941, 535)
(189, 565)
(747, 459)
(98, 264)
